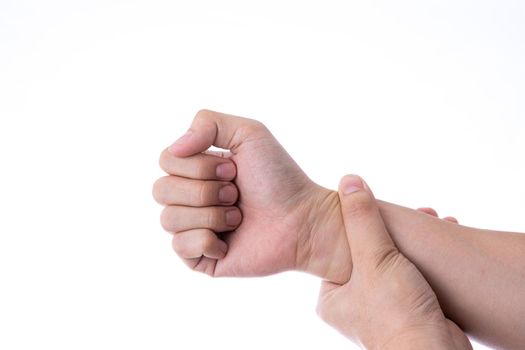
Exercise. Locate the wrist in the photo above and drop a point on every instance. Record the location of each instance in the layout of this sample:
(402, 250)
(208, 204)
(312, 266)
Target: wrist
(322, 248)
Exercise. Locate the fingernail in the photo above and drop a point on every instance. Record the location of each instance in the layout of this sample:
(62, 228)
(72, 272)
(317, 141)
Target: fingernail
(350, 184)
(227, 194)
(225, 171)
(181, 140)
(233, 217)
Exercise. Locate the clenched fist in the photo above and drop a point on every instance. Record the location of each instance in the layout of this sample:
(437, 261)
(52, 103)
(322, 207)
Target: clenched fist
(248, 211)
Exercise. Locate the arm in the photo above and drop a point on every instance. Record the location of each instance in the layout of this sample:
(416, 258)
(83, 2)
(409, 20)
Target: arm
(275, 219)
(478, 275)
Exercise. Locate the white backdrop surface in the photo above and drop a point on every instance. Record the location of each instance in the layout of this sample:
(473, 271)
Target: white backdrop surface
(423, 99)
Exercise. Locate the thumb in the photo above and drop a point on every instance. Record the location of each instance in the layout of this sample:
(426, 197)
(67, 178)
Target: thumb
(367, 235)
(212, 128)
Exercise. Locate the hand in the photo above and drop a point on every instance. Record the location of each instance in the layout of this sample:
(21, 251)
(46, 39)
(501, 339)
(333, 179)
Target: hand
(281, 208)
(387, 304)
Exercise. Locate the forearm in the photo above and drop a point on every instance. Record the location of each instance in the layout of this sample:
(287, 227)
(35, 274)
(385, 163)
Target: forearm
(478, 275)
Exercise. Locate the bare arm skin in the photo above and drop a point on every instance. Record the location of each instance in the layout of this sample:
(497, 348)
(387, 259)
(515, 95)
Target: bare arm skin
(273, 218)
(478, 275)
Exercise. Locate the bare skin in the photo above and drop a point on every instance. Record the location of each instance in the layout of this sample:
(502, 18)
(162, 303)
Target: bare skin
(386, 291)
(281, 220)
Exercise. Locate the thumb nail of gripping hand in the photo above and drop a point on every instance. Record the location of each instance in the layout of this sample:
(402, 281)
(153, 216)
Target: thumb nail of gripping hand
(365, 229)
(208, 128)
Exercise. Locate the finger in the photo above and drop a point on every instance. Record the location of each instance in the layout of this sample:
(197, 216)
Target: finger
(429, 211)
(209, 166)
(365, 229)
(451, 219)
(212, 128)
(174, 190)
(218, 219)
(199, 242)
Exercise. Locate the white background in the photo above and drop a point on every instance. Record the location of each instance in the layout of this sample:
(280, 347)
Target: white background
(423, 99)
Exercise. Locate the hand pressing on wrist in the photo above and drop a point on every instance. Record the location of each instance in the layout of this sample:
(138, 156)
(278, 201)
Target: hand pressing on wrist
(387, 303)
